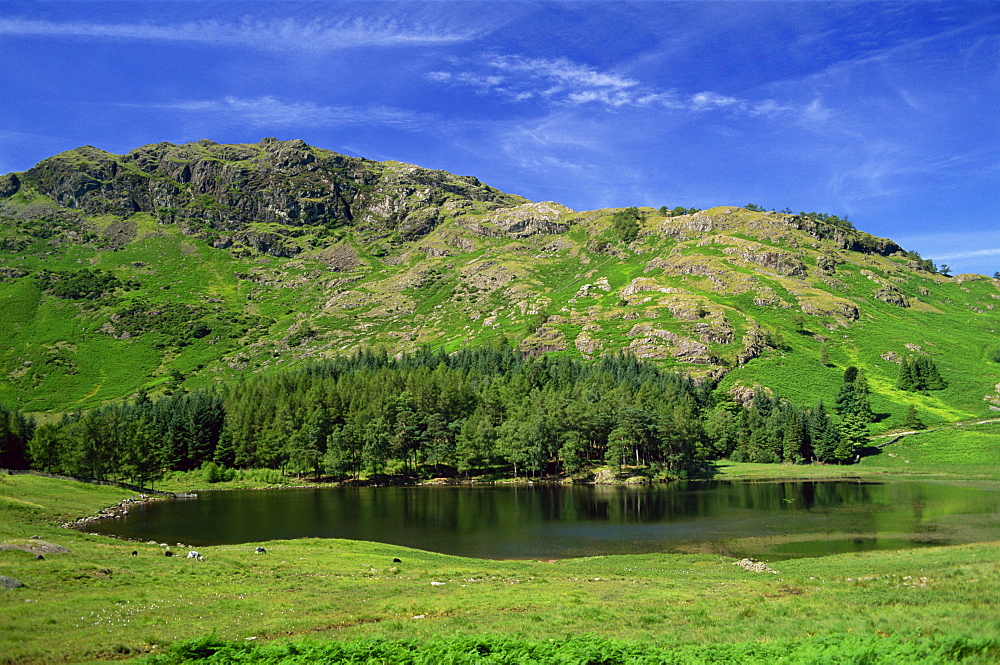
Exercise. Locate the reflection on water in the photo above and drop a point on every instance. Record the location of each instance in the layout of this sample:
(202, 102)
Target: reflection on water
(768, 520)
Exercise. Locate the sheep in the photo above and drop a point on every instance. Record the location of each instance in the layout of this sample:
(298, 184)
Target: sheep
(195, 555)
(260, 550)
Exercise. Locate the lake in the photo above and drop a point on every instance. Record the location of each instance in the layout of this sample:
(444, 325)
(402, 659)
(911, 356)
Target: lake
(766, 520)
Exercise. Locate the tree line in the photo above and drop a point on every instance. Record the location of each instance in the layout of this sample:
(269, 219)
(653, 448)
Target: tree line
(475, 411)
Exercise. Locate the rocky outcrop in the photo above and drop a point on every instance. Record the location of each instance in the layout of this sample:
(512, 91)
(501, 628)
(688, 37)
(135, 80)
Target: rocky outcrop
(693, 353)
(654, 343)
(601, 284)
(845, 238)
(544, 340)
(685, 227)
(225, 188)
(754, 566)
(525, 220)
(715, 332)
(783, 263)
(7, 274)
(35, 546)
(754, 344)
(830, 306)
(587, 345)
(641, 284)
(340, 258)
(892, 296)
(9, 184)
(271, 244)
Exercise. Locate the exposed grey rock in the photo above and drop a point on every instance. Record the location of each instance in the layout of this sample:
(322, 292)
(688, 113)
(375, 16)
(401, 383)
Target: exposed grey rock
(11, 583)
(211, 189)
(522, 221)
(9, 184)
(892, 296)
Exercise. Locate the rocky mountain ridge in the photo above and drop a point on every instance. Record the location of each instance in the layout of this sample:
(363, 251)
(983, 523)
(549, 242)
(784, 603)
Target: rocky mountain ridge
(226, 192)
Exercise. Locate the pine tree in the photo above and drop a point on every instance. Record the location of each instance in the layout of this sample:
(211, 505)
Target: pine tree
(846, 400)
(792, 439)
(46, 447)
(912, 420)
(620, 442)
(931, 377)
(853, 435)
(906, 379)
(824, 434)
(862, 405)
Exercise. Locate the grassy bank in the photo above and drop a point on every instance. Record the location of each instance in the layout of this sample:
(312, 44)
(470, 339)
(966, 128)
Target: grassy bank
(96, 601)
(967, 452)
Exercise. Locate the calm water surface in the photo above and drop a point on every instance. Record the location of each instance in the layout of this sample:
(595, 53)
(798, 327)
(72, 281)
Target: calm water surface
(768, 520)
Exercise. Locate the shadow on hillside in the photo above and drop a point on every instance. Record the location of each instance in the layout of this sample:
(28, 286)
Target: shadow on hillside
(867, 451)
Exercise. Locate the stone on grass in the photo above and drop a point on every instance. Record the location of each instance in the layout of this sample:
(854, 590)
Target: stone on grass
(10, 583)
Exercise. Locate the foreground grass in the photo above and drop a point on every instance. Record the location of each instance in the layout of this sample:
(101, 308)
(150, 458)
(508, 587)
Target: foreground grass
(99, 602)
(586, 649)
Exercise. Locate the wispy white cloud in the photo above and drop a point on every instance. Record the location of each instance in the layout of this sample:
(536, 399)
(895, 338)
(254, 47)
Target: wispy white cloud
(966, 251)
(285, 34)
(971, 254)
(562, 82)
(273, 112)
(572, 75)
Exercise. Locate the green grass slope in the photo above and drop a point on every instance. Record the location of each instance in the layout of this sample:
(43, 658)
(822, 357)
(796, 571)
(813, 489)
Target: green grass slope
(751, 296)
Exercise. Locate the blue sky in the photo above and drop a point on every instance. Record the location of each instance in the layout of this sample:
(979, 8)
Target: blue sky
(887, 113)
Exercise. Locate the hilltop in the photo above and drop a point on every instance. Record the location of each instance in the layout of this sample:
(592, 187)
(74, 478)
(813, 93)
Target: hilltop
(176, 266)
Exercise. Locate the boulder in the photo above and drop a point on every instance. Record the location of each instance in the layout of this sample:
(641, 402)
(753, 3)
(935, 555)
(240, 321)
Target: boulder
(11, 583)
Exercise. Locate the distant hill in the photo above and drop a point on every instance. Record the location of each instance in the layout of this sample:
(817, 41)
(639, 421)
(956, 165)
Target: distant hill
(176, 266)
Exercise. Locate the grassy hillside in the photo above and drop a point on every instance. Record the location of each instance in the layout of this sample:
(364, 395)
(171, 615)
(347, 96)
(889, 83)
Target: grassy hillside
(751, 296)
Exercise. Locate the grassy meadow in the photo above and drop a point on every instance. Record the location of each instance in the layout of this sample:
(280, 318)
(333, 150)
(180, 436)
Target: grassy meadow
(311, 599)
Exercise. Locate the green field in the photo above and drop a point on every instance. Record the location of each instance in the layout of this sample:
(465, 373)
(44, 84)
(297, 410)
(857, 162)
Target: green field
(331, 597)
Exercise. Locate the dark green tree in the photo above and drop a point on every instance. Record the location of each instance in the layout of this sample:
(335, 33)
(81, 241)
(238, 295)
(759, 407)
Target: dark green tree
(824, 355)
(793, 438)
(906, 379)
(846, 401)
(862, 403)
(927, 374)
(853, 435)
(340, 458)
(15, 433)
(823, 434)
(375, 445)
(912, 420)
(625, 224)
(46, 448)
